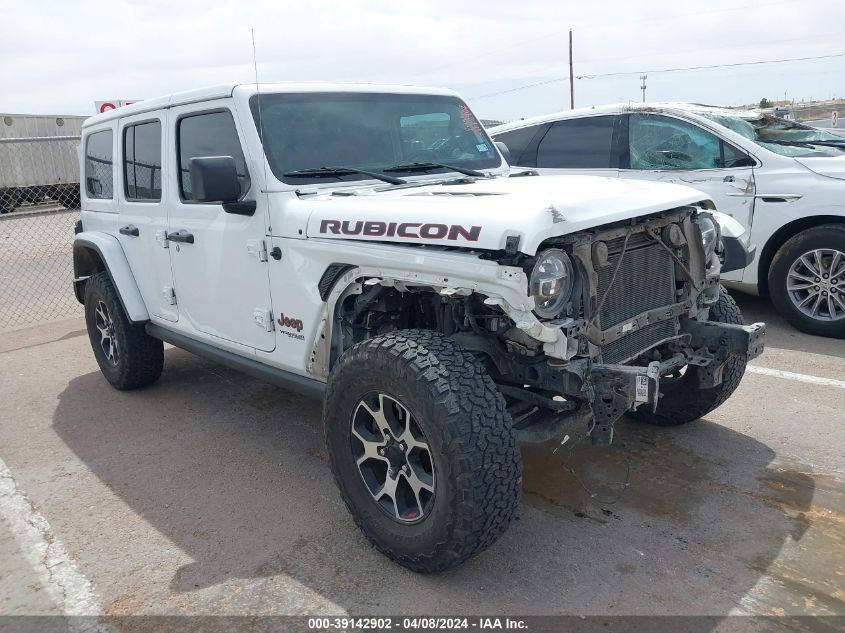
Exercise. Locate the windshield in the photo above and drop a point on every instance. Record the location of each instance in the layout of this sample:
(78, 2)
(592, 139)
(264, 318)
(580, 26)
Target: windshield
(781, 136)
(368, 131)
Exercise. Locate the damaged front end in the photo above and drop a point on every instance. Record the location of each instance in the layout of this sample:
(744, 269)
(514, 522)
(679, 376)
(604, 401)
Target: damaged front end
(638, 317)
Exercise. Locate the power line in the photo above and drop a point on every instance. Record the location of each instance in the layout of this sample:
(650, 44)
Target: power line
(662, 70)
(692, 68)
(526, 86)
(477, 55)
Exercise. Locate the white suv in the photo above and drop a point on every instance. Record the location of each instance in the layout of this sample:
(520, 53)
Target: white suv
(369, 244)
(785, 182)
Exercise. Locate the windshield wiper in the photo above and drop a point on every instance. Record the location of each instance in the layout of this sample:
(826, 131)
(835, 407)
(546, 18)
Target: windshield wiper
(411, 167)
(336, 172)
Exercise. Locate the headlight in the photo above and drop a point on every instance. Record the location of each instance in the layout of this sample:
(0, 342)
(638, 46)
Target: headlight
(710, 235)
(551, 283)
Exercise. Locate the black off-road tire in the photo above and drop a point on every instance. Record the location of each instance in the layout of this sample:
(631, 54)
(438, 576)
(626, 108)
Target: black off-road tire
(683, 400)
(827, 236)
(477, 464)
(140, 357)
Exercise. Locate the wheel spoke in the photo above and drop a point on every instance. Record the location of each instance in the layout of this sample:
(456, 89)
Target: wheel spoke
(378, 415)
(837, 259)
(817, 304)
(796, 275)
(809, 265)
(808, 299)
(817, 258)
(370, 448)
(800, 286)
(389, 489)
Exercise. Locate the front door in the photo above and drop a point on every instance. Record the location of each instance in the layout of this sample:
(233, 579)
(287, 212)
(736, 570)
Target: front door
(143, 210)
(667, 149)
(219, 259)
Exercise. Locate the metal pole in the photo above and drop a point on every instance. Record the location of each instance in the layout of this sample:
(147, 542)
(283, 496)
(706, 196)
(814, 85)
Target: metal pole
(642, 86)
(571, 76)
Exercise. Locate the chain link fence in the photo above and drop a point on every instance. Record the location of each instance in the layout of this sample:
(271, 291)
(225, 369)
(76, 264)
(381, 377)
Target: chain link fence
(39, 206)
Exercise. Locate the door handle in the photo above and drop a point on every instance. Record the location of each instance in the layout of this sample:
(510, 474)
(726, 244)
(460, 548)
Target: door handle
(129, 229)
(728, 179)
(181, 236)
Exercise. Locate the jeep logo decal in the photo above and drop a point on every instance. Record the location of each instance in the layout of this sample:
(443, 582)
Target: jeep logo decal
(401, 229)
(294, 324)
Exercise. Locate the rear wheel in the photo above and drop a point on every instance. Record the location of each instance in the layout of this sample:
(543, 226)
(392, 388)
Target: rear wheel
(683, 400)
(807, 280)
(128, 357)
(421, 448)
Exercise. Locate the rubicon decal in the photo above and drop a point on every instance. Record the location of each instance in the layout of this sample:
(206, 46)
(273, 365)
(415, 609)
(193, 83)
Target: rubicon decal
(293, 324)
(407, 230)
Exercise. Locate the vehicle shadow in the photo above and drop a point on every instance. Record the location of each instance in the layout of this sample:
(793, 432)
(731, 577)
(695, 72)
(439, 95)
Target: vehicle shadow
(234, 473)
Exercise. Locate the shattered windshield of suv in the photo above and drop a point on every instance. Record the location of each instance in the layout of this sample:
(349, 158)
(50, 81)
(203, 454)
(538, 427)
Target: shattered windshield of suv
(370, 132)
(783, 137)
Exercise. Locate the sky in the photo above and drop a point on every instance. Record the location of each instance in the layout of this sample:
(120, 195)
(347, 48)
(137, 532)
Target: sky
(60, 57)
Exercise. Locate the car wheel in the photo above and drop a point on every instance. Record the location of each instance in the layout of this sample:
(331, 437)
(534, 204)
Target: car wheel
(128, 357)
(683, 400)
(807, 280)
(421, 448)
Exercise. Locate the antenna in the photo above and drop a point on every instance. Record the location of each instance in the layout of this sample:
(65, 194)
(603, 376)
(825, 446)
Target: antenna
(260, 121)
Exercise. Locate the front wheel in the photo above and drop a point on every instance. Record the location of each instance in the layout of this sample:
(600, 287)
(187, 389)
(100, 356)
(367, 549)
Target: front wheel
(807, 280)
(421, 448)
(683, 400)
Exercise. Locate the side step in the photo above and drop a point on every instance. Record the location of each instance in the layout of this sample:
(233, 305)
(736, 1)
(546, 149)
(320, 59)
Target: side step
(272, 375)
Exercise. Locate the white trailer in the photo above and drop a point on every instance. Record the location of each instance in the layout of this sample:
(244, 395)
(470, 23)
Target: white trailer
(38, 160)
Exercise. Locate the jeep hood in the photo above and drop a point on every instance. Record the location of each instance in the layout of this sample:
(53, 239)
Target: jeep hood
(484, 213)
(832, 166)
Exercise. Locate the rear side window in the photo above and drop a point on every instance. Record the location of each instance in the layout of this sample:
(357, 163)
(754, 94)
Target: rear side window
(99, 166)
(578, 144)
(208, 134)
(142, 161)
(518, 142)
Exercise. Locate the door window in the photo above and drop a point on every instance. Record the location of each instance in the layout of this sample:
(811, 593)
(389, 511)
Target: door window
(584, 143)
(519, 142)
(142, 161)
(208, 134)
(659, 142)
(99, 166)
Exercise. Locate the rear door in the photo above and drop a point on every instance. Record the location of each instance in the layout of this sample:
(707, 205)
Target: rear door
(522, 144)
(142, 205)
(221, 274)
(583, 146)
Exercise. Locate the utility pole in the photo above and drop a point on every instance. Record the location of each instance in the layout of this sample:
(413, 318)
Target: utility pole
(642, 86)
(571, 76)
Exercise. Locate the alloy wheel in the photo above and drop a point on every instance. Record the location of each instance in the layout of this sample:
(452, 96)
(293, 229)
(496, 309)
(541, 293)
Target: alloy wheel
(393, 457)
(816, 284)
(105, 325)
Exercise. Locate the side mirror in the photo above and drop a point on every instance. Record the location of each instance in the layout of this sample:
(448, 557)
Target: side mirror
(506, 153)
(215, 179)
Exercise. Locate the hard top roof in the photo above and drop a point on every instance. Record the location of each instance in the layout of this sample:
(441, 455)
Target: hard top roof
(227, 90)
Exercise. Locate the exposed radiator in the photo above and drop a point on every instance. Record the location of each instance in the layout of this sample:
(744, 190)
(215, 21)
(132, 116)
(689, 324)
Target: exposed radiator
(646, 280)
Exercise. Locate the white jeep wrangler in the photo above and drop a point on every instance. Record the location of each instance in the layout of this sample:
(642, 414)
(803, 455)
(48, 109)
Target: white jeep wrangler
(371, 244)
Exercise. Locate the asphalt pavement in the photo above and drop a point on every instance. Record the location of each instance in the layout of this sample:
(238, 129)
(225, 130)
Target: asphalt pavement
(210, 493)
